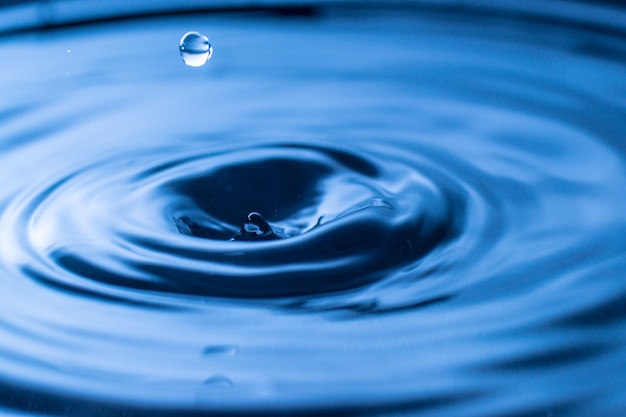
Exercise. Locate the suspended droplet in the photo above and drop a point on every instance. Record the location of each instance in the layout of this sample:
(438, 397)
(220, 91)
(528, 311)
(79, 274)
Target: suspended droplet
(195, 49)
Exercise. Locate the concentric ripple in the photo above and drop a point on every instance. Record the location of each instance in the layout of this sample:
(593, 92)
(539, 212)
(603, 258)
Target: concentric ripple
(346, 220)
(410, 211)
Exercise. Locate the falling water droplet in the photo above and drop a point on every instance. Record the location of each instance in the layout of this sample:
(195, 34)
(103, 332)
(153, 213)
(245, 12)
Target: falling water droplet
(195, 49)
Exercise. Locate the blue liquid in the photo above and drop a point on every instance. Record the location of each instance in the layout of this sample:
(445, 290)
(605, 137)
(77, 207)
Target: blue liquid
(447, 191)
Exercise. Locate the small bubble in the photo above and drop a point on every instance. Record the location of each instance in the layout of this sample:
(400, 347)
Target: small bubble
(195, 49)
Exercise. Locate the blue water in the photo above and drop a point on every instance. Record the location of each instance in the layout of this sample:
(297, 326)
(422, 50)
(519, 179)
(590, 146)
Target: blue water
(412, 210)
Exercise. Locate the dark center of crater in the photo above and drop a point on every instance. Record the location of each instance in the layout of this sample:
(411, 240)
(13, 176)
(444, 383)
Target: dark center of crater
(216, 203)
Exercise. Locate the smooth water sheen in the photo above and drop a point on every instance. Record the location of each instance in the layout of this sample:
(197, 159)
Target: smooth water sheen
(362, 212)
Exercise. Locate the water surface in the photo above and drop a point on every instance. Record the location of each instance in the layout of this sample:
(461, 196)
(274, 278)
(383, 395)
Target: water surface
(441, 199)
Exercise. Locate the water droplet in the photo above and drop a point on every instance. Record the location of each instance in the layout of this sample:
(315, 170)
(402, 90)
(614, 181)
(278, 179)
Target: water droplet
(255, 228)
(195, 49)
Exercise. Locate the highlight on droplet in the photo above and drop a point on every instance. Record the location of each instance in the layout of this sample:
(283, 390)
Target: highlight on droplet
(256, 228)
(195, 49)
